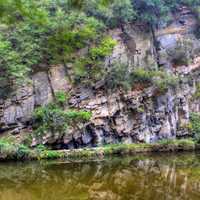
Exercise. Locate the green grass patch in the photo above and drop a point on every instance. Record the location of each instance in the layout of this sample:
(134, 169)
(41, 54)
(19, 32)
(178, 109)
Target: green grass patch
(11, 151)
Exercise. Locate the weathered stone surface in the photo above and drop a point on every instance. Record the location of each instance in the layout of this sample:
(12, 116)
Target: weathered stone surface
(19, 108)
(42, 89)
(181, 30)
(58, 79)
(135, 47)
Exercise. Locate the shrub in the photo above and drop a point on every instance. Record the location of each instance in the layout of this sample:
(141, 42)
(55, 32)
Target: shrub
(12, 69)
(61, 97)
(120, 76)
(49, 154)
(39, 148)
(52, 119)
(49, 119)
(151, 11)
(161, 80)
(22, 152)
(78, 116)
(117, 77)
(195, 125)
(141, 75)
(90, 68)
(14, 151)
(104, 49)
(165, 81)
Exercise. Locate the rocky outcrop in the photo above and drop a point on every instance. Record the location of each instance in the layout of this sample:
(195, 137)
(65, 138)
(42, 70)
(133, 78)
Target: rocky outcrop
(177, 43)
(135, 47)
(141, 115)
(16, 111)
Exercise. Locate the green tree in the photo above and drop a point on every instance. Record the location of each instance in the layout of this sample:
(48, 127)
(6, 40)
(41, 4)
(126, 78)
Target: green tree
(70, 35)
(12, 68)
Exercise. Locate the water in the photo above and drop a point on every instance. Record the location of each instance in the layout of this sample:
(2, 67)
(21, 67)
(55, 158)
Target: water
(158, 177)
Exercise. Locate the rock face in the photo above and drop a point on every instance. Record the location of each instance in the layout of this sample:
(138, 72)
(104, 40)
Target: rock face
(177, 41)
(135, 47)
(16, 111)
(141, 115)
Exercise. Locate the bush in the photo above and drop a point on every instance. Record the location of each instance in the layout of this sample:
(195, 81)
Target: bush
(22, 152)
(104, 49)
(49, 154)
(141, 75)
(12, 69)
(78, 116)
(52, 119)
(49, 119)
(195, 125)
(61, 98)
(165, 81)
(117, 77)
(14, 151)
(90, 68)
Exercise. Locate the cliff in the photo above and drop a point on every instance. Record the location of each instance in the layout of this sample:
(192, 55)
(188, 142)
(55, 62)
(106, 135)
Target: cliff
(142, 114)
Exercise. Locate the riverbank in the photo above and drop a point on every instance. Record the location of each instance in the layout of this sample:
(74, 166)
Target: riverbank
(21, 152)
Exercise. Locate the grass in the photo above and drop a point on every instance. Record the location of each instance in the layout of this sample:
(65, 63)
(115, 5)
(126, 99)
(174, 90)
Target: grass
(11, 151)
(189, 141)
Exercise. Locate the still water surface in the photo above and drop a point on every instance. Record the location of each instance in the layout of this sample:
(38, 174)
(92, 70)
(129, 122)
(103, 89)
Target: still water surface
(158, 177)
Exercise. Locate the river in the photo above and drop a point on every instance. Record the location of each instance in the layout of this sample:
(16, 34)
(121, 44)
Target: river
(152, 177)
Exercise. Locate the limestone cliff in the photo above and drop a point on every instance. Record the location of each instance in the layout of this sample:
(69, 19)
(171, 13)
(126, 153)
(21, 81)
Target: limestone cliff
(140, 115)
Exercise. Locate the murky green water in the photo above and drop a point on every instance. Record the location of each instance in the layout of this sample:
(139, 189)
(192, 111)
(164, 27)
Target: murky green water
(158, 177)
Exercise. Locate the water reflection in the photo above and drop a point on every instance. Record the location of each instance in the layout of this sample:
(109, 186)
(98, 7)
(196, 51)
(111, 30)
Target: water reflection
(161, 177)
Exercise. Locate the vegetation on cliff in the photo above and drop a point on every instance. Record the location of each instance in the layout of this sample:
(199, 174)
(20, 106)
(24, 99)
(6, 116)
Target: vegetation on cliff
(54, 119)
(195, 126)
(36, 35)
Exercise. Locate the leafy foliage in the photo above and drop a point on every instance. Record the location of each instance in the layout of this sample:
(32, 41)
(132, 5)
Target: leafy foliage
(52, 119)
(90, 68)
(49, 118)
(74, 32)
(113, 14)
(148, 11)
(104, 49)
(117, 77)
(195, 125)
(41, 33)
(11, 67)
(182, 53)
(61, 98)
(14, 151)
(197, 92)
(121, 76)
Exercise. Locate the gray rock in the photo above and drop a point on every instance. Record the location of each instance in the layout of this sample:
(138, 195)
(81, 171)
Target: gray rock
(42, 89)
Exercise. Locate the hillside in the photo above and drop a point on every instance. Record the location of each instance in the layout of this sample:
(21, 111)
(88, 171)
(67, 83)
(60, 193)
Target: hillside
(77, 74)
